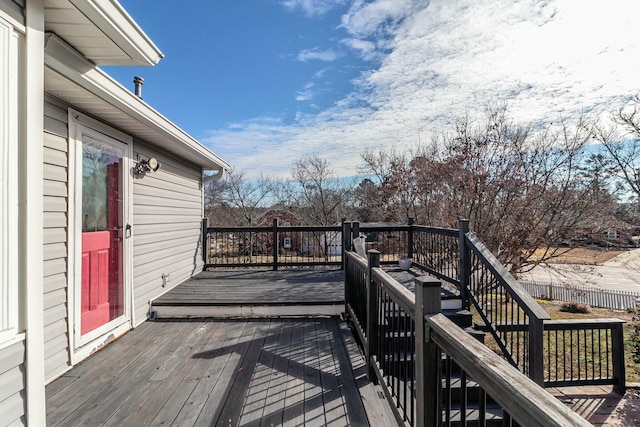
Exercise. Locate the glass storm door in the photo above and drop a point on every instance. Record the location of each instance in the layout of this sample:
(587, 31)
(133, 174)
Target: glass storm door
(102, 284)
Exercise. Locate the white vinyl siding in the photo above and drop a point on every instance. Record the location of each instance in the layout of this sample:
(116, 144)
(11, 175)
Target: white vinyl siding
(167, 215)
(12, 385)
(11, 57)
(55, 235)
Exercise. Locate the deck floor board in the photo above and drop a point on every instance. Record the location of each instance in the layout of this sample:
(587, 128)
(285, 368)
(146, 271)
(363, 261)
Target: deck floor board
(258, 287)
(251, 372)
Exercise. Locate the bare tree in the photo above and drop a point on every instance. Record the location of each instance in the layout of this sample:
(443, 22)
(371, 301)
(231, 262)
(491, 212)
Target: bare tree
(521, 189)
(238, 198)
(319, 195)
(621, 147)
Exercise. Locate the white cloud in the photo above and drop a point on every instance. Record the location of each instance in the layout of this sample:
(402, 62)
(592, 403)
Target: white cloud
(312, 8)
(378, 16)
(365, 48)
(321, 73)
(306, 94)
(546, 59)
(328, 55)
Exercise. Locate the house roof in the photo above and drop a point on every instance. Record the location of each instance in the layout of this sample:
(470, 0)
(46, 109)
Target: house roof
(73, 76)
(101, 30)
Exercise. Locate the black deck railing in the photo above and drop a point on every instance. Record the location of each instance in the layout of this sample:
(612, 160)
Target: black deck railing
(519, 327)
(275, 246)
(428, 367)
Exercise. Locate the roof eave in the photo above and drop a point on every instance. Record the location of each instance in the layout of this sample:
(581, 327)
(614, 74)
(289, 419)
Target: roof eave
(116, 23)
(62, 58)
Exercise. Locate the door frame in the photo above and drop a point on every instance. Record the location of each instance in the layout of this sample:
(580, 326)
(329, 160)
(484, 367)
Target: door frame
(82, 346)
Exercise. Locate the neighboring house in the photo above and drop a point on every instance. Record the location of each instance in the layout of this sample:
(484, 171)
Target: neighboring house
(287, 241)
(605, 231)
(91, 229)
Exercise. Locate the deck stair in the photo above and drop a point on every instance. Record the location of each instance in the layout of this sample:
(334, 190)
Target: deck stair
(462, 388)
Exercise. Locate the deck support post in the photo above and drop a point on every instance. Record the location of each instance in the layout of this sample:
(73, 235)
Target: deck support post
(410, 238)
(617, 359)
(428, 359)
(274, 239)
(373, 261)
(346, 241)
(206, 246)
(465, 262)
(536, 350)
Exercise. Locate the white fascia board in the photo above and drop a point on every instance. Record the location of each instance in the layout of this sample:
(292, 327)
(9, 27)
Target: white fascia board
(119, 26)
(65, 60)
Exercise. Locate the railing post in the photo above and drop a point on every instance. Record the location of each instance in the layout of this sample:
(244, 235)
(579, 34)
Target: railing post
(274, 238)
(206, 246)
(410, 238)
(346, 233)
(465, 262)
(346, 246)
(536, 350)
(428, 360)
(617, 359)
(355, 229)
(373, 261)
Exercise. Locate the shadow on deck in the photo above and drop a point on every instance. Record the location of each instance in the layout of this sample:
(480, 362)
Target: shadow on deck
(280, 370)
(260, 372)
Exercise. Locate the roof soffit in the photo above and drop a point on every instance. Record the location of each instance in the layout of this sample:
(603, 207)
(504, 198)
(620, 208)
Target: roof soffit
(102, 31)
(79, 82)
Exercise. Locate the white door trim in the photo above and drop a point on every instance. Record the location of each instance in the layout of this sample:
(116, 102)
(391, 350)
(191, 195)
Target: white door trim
(83, 346)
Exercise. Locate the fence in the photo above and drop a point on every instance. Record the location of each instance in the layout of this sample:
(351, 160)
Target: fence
(601, 298)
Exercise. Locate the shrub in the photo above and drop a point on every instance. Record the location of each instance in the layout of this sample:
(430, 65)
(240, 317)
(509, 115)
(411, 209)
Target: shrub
(575, 307)
(635, 337)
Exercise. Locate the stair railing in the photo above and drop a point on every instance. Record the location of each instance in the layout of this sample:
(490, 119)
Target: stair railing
(500, 300)
(405, 340)
(460, 258)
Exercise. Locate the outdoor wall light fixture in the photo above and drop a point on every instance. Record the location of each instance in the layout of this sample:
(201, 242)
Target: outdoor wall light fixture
(149, 165)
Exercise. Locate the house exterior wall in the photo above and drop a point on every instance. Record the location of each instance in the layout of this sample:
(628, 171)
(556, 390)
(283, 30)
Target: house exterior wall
(55, 236)
(12, 384)
(167, 213)
(13, 377)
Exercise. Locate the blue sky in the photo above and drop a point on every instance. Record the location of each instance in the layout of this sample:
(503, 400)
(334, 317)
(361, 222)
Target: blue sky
(265, 82)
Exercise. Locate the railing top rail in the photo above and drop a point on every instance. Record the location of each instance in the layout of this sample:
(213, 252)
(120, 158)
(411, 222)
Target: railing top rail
(238, 229)
(366, 227)
(400, 294)
(524, 299)
(453, 232)
(353, 256)
(602, 323)
(522, 398)
(278, 228)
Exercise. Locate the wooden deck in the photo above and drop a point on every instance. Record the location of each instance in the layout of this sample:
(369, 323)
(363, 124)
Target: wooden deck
(252, 372)
(255, 293)
(261, 293)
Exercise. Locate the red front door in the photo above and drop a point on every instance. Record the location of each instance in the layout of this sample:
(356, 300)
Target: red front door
(95, 309)
(101, 294)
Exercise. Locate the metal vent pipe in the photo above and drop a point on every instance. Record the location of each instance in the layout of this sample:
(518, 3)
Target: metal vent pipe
(138, 82)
